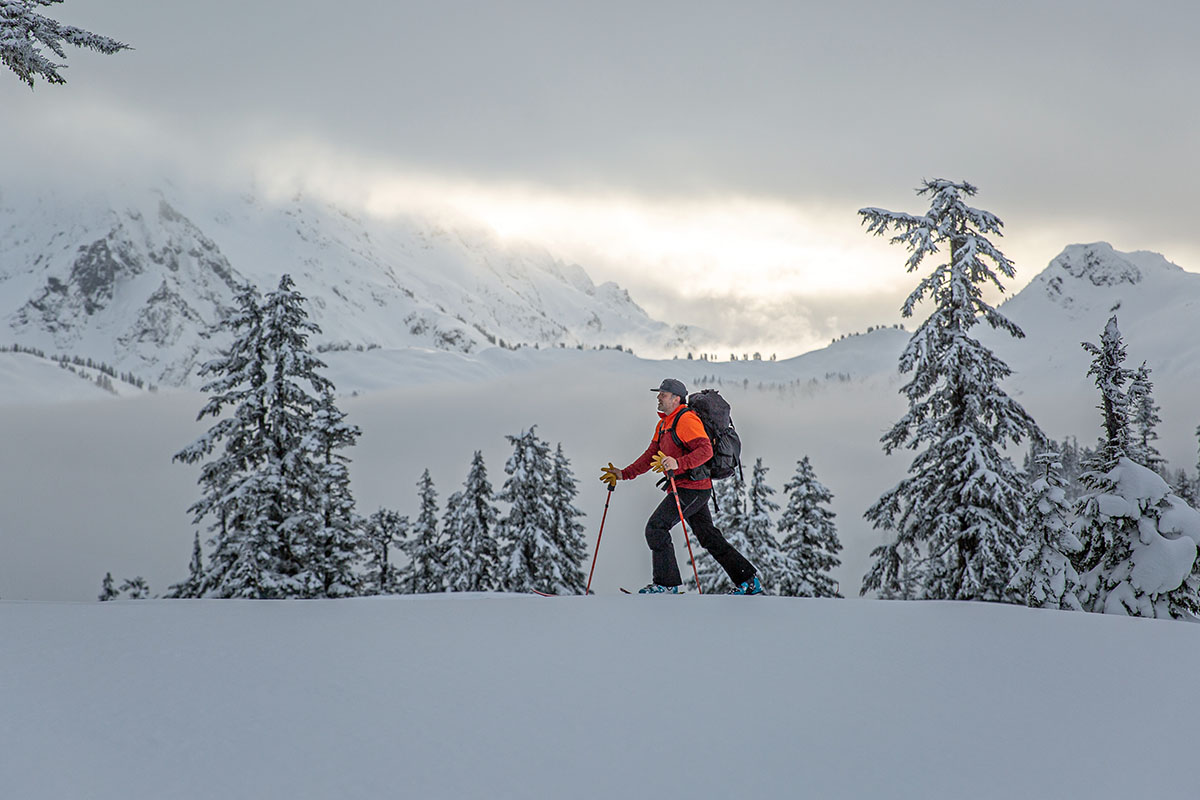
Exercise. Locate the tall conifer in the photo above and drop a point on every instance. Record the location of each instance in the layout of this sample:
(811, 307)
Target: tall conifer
(954, 521)
(425, 570)
(528, 560)
(276, 486)
(469, 529)
(570, 549)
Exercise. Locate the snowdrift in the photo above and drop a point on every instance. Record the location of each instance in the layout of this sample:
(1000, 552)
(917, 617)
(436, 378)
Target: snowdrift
(492, 696)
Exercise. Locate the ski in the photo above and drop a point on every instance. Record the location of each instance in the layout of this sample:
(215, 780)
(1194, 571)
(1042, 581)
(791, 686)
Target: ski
(626, 591)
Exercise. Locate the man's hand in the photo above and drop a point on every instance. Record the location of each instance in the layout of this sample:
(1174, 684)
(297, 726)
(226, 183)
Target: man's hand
(663, 462)
(610, 475)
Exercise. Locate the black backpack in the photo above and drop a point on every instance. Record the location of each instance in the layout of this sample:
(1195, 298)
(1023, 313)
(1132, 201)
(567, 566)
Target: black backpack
(713, 411)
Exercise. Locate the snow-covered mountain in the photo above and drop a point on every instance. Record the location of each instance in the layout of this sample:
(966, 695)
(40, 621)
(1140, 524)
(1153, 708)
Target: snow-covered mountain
(1155, 301)
(136, 278)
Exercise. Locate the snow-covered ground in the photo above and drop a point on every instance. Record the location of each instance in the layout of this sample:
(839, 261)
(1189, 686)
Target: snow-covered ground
(492, 696)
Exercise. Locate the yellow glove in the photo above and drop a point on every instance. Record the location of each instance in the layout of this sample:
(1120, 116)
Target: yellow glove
(663, 462)
(610, 475)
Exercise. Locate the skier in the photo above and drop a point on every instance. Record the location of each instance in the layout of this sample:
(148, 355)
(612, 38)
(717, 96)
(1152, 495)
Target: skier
(695, 488)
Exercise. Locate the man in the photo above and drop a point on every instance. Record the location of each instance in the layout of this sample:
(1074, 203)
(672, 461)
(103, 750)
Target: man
(686, 454)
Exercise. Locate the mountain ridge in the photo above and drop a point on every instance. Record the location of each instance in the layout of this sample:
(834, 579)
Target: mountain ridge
(139, 277)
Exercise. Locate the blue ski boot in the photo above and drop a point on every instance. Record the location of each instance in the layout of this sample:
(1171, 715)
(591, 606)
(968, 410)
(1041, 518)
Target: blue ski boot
(751, 586)
(654, 588)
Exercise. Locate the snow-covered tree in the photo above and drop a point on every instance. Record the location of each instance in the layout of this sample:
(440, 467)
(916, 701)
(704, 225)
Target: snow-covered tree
(267, 493)
(194, 584)
(955, 519)
(425, 571)
(763, 549)
(1144, 420)
(1139, 541)
(1047, 578)
(238, 377)
(527, 550)
(107, 590)
(338, 538)
(469, 528)
(1111, 376)
(291, 476)
(810, 540)
(136, 588)
(570, 547)
(385, 529)
(24, 33)
(1071, 459)
(731, 517)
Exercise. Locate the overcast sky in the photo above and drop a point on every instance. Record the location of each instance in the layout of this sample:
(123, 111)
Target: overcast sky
(704, 155)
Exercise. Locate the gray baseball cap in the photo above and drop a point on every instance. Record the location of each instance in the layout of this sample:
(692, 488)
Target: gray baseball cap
(674, 387)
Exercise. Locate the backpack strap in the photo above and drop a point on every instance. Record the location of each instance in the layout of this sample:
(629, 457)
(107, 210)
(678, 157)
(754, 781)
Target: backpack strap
(675, 424)
(686, 474)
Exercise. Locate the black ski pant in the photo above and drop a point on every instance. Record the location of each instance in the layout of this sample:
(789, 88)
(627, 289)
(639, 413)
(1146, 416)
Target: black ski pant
(694, 503)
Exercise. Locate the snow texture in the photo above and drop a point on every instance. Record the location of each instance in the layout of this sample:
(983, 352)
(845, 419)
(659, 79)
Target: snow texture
(471, 696)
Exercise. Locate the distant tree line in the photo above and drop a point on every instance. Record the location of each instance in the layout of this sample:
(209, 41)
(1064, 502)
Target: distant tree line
(106, 374)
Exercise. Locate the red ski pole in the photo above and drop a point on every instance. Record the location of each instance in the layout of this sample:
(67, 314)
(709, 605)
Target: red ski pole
(588, 590)
(675, 492)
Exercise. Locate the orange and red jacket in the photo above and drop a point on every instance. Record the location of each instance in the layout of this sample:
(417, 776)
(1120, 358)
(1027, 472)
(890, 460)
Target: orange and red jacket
(695, 451)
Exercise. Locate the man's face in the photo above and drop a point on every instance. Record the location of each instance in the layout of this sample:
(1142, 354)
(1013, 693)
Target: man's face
(667, 402)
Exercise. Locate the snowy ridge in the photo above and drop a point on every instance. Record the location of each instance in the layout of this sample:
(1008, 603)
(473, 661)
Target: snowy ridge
(135, 278)
(1071, 300)
(492, 696)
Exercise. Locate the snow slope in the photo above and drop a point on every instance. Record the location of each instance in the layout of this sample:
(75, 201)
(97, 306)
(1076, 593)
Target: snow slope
(490, 696)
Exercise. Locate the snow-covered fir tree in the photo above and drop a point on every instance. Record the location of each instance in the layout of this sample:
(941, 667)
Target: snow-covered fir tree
(292, 475)
(425, 571)
(107, 590)
(194, 584)
(469, 529)
(24, 33)
(570, 547)
(1110, 377)
(384, 530)
(1188, 486)
(810, 539)
(237, 380)
(1071, 459)
(763, 549)
(1144, 420)
(1139, 541)
(136, 588)
(731, 517)
(955, 518)
(266, 491)
(338, 537)
(1047, 578)
(528, 559)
